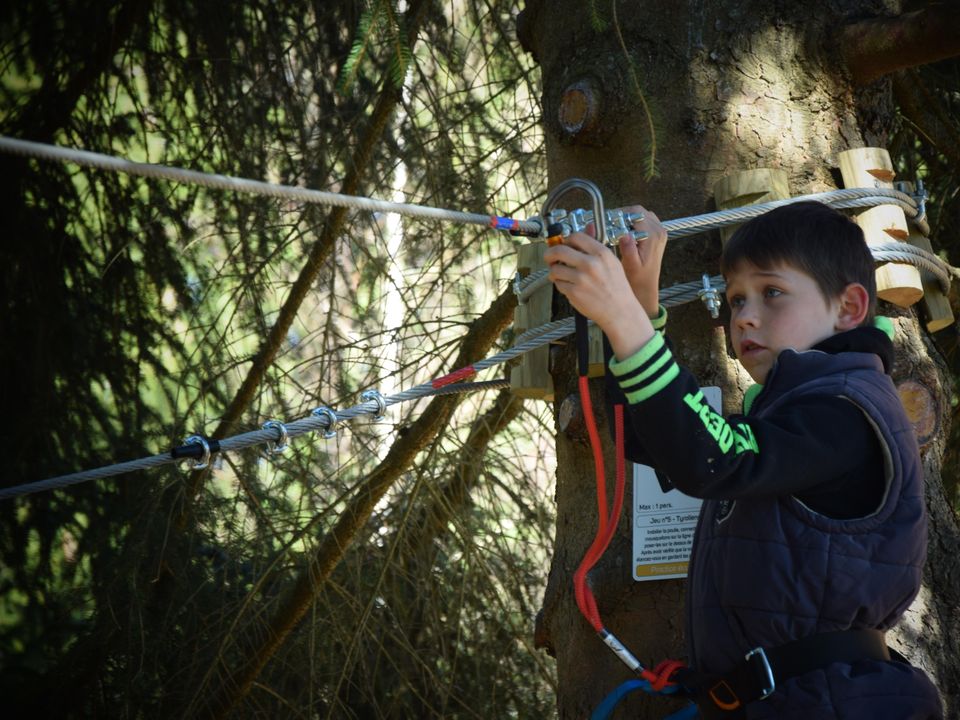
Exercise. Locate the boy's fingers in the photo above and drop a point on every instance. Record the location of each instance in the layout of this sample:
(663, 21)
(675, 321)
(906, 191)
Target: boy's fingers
(563, 254)
(560, 272)
(629, 250)
(582, 242)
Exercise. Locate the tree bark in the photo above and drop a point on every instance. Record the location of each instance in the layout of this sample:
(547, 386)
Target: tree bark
(731, 86)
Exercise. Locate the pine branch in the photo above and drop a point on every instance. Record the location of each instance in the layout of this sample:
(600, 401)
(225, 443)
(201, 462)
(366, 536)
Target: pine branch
(419, 536)
(54, 103)
(366, 32)
(402, 56)
(927, 113)
(482, 334)
(319, 254)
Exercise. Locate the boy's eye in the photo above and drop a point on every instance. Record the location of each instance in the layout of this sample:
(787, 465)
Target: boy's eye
(735, 301)
(772, 292)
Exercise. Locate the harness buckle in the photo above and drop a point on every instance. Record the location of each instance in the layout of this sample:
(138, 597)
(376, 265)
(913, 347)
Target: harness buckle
(757, 659)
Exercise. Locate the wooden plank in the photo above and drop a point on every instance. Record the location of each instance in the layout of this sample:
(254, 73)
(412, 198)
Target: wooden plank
(531, 378)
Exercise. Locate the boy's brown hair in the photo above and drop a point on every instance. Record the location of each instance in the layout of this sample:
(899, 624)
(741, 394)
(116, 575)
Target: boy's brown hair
(811, 237)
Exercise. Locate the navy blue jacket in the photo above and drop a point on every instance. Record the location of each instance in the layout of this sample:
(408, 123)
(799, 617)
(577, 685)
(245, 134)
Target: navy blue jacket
(777, 557)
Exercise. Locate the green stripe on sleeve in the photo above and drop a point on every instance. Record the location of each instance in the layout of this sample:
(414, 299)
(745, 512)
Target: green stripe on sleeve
(648, 391)
(633, 380)
(624, 367)
(660, 321)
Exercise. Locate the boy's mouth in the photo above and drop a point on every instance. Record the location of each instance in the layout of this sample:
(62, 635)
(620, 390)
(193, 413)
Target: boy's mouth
(749, 346)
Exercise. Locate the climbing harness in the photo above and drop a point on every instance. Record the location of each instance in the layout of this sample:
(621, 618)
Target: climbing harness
(725, 697)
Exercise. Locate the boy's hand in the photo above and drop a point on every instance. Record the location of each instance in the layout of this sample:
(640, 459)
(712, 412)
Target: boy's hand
(595, 282)
(642, 260)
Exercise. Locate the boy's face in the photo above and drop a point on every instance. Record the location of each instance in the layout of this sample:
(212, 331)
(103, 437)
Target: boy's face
(772, 310)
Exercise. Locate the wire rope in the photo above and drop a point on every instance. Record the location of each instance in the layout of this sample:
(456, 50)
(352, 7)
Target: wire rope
(42, 151)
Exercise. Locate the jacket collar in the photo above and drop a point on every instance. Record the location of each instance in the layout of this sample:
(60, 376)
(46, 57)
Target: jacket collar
(862, 347)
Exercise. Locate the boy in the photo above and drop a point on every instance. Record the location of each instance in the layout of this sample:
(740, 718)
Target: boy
(812, 536)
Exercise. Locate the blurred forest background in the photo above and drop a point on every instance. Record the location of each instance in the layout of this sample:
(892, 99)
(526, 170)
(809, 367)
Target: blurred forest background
(136, 312)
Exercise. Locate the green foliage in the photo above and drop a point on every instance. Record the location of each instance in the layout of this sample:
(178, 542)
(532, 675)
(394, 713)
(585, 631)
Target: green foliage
(133, 309)
(379, 24)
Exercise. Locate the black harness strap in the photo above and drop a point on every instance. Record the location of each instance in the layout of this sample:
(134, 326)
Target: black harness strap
(724, 697)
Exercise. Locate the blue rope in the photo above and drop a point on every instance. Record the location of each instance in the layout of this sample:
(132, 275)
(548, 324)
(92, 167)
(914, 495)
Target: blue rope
(605, 709)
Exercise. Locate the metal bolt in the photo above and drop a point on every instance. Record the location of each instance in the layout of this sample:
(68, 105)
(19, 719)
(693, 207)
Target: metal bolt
(711, 297)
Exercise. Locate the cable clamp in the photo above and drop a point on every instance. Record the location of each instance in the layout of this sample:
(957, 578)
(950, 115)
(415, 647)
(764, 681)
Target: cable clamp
(921, 197)
(368, 395)
(204, 460)
(280, 444)
(710, 296)
(323, 412)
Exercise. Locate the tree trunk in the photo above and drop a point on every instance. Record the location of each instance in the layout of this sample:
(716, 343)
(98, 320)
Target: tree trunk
(731, 86)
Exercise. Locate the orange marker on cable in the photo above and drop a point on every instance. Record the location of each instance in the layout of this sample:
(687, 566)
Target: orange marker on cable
(554, 234)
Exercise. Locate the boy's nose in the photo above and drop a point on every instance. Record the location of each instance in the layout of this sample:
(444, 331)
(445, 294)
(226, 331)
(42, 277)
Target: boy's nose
(747, 316)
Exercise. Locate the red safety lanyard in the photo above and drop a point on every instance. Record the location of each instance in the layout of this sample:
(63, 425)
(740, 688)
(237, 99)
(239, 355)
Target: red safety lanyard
(659, 678)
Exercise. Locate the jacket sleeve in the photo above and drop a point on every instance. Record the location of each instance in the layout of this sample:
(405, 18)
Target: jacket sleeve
(633, 446)
(707, 455)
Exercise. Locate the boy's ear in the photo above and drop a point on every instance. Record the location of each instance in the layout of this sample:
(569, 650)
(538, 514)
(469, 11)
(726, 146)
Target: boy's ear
(854, 304)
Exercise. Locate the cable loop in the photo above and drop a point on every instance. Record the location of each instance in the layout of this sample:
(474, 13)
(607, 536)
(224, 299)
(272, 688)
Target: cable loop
(323, 412)
(204, 460)
(368, 395)
(277, 446)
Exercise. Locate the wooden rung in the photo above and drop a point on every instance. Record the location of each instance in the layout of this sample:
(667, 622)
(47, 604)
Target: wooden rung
(749, 187)
(898, 283)
(937, 311)
(866, 168)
